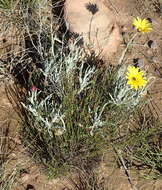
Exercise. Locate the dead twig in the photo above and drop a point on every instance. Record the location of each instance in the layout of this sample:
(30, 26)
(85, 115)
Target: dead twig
(121, 160)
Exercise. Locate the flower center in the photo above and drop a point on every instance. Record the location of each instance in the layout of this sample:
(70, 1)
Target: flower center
(134, 78)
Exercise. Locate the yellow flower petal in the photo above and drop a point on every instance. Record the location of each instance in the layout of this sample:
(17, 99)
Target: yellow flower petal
(142, 25)
(135, 78)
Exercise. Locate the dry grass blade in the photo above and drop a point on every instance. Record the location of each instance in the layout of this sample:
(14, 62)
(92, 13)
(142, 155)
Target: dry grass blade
(87, 179)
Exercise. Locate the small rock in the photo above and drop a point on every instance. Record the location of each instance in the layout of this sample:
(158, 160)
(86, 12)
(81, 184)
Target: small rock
(96, 23)
(150, 19)
(29, 186)
(152, 44)
(139, 63)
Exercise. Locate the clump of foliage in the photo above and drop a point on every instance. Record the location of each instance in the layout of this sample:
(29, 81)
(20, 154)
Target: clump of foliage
(12, 5)
(8, 176)
(87, 179)
(140, 146)
(72, 108)
(147, 147)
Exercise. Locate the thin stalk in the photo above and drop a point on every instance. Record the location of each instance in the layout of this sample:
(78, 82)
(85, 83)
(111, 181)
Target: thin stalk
(126, 49)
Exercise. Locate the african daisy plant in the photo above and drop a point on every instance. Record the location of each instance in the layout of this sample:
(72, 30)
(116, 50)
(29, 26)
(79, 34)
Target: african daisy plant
(142, 25)
(130, 86)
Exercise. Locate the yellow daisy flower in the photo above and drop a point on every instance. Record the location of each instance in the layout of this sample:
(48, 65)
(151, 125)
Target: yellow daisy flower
(135, 78)
(142, 25)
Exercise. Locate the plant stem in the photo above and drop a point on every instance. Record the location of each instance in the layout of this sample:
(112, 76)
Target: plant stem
(126, 49)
